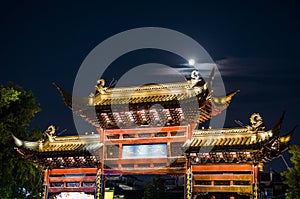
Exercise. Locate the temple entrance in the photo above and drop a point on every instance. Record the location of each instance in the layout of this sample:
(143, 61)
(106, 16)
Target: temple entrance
(163, 140)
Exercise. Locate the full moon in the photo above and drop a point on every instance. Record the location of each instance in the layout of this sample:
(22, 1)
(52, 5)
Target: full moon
(191, 62)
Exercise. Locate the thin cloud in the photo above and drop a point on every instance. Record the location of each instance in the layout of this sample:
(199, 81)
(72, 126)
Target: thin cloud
(258, 67)
(185, 70)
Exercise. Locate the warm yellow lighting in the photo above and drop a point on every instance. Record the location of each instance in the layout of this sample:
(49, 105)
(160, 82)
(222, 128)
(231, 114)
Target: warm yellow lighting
(285, 139)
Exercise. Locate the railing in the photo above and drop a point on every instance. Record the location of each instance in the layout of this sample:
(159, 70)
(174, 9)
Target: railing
(72, 180)
(223, 178)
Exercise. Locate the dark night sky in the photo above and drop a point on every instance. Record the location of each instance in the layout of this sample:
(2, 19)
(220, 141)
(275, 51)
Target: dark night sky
(255, 44)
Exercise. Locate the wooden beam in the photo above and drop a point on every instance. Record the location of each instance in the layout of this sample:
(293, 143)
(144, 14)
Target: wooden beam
(144, 130)
(73, 171)
(152, 140)
(236, 189)
(171, 171)
(71, 189)
(73, 179)
(221, 167)
(144, 160)
(223, 177)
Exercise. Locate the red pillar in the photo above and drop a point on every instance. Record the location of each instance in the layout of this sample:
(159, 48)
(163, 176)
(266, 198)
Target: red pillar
(45, 184)
(102, 149)
(255, 192)
(100, 181)
(46, 176)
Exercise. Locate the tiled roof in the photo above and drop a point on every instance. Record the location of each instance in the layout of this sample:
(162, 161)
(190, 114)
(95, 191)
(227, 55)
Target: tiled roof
(122, 107)
(73, 143)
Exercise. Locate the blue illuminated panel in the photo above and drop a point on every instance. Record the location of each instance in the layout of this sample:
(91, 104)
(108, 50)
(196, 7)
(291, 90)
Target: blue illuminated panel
(145, 151)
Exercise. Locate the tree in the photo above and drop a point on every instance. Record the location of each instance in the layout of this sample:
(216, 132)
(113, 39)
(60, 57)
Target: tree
(292, 176)
(19, 177)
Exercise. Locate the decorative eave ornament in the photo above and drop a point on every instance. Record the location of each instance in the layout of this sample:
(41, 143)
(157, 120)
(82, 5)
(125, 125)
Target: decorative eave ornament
(256, 120)
(37, 145)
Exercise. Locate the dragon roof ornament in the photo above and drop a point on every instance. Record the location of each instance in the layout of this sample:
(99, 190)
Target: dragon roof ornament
(48, 136)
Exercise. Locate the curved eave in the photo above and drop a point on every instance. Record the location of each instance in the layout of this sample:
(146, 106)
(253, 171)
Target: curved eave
(214, 106)
(33, 146)
(285, 140)
(277, 127)
(67, 98)
(223, 101)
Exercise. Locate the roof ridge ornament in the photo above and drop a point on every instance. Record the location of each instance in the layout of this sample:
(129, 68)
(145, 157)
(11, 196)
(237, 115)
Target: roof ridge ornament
(195, 78)
(100, 86)
(256, 121)
(50, 133)
(91, 99)
(34, 145)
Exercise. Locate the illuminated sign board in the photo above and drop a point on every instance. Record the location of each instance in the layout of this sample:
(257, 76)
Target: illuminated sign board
(109, 194)
(71, 195)
(145, 151)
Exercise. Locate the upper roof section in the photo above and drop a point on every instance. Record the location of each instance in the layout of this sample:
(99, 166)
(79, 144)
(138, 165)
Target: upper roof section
(146, 93)
(166, 104)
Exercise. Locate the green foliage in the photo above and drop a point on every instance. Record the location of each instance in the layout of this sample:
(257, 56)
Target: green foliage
(8, 95)
(292, 176)
(19, 177)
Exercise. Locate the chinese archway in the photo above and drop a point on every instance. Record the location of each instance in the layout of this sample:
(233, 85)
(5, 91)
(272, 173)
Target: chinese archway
(154, 129)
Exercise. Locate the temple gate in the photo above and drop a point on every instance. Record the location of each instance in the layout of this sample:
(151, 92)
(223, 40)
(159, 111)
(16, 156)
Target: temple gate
(152, 129)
